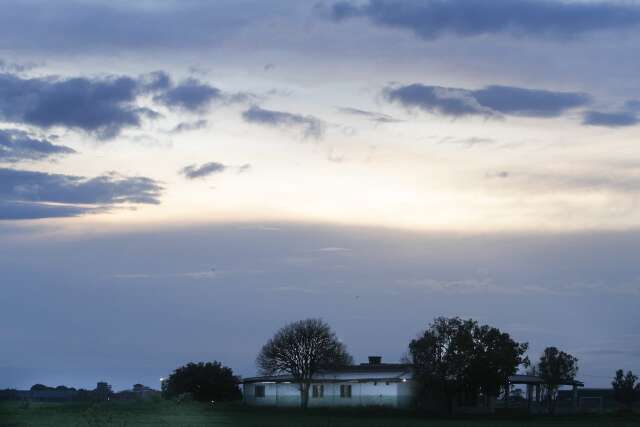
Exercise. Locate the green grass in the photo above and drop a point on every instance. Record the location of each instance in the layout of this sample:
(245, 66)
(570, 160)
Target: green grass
(15, 414)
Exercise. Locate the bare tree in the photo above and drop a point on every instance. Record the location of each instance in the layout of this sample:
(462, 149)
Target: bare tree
(302, 349)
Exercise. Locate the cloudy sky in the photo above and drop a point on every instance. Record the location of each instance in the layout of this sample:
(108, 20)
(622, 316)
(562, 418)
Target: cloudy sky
(180, 178)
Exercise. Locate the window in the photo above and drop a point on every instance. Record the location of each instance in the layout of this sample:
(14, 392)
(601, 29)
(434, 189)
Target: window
(317, 391)
(259, 391)
(345, 391)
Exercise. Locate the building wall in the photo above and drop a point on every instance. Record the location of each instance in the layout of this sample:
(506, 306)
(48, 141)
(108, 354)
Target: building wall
(373, 393)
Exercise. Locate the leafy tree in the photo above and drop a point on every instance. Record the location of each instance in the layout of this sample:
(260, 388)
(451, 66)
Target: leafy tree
(40, 387)
(556, 368)
(455, 358)
(625, 389)
(203, 381)
(301, 349)
(496, 356)
(440, 359)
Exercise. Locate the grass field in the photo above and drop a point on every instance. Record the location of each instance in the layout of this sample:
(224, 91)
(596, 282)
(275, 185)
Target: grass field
(14, 414)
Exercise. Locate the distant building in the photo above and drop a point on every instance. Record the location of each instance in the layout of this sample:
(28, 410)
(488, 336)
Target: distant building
(138, 392)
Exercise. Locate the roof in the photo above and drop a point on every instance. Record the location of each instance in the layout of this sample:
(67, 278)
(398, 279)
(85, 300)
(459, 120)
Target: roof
(362, 372)
(380, 372)
(534, 379)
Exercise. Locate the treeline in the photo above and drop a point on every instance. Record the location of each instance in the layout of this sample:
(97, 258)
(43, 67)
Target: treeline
(43, 392)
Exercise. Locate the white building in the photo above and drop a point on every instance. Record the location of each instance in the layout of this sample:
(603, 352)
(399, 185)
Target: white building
(371, 384)
(368, 384)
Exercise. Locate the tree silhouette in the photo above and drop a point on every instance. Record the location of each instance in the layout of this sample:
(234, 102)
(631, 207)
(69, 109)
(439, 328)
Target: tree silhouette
(454, 358)
(625, 389)
(205, 382)
(556, 368)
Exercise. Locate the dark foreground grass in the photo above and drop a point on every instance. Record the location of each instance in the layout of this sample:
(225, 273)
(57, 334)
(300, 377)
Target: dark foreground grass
(14, 414)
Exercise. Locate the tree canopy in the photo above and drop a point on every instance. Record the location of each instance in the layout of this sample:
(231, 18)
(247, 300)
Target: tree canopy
(301, 349)
(556, 368)
(205, 382)
(625, 389)
(456, 358)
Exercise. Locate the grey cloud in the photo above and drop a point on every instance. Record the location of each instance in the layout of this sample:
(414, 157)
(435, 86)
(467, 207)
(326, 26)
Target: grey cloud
(528, 102)
(194, 171)
(206, 169)
(102, 106)
(17, 145)
(617, 119)
(191, 95)
(490, 101)
(431, 19)
(370, 115)
(189, 126)
(312, 127)
(27, 194)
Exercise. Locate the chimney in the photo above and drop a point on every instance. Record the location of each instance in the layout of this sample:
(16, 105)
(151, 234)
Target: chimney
(375, 360)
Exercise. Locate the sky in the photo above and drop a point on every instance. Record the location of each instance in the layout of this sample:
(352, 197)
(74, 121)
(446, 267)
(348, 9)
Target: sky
(179, 179)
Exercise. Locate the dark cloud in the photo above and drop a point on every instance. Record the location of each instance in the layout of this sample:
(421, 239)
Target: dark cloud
(492, 100)
(436, 99)
(189, 126)
(430, 19)
(194, 171)
(312, 127)
(17, 145)
(190, 95)
(528, 102)
(101, 106)
(617, 119)
(27, 194)
(370, 115)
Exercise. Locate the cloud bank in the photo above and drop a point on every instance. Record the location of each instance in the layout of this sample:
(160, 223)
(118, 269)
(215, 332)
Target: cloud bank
(431, 19)
(29, 195)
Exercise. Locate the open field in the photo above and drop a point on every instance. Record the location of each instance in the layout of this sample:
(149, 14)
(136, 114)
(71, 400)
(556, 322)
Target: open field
(14, 414)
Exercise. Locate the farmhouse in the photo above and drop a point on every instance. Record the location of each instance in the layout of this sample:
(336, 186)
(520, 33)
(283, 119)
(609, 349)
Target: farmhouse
(368, 384)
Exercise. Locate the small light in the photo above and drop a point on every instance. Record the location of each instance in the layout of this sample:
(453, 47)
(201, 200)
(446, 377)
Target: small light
(404, 380)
